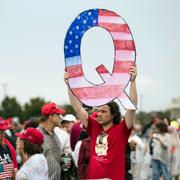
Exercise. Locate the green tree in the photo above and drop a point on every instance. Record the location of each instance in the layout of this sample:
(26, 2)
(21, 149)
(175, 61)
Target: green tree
(10, 108)
(33, 108)
(68, 108)
(163, 114)
(143, 117)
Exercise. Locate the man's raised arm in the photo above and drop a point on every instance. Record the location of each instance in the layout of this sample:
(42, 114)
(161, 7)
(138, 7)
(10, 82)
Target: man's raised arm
(77, 105)
(130, 114)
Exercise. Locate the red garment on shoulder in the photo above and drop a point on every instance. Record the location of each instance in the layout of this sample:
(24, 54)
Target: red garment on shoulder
(13, 152)
(107, 157)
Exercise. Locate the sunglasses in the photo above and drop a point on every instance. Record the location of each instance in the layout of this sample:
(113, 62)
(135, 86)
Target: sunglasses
(101, 136)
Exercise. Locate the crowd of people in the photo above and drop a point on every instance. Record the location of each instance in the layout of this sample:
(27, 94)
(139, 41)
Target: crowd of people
(155, 150)
(94, 143)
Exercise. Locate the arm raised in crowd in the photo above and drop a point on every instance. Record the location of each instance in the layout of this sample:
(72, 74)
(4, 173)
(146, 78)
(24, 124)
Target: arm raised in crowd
(130, 114)
(76, 104)
(83, 115)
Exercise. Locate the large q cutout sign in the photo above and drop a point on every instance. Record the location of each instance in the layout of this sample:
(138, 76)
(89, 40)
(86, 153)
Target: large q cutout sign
(114, 83)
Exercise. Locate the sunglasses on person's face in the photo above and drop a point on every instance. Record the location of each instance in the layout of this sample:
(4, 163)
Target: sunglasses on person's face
(101, 136)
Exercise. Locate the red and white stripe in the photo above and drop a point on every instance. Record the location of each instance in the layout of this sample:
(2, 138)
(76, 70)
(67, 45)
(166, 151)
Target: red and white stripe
(114, 84)
(8, 171)
(119, 30)
(118, 78)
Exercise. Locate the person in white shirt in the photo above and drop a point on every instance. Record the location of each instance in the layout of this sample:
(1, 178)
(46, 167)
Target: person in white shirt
(35, 167)
(137, 153)
(64, 139)
(161, 143)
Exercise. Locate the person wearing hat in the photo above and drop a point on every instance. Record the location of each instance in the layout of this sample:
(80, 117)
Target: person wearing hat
(52, 147)
(68, 121)
(35, 167)
(16, 127)
(6, 164)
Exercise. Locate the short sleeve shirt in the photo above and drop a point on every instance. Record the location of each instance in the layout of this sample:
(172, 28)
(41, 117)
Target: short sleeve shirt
(160, 153)
(107, 157)
(34, 168)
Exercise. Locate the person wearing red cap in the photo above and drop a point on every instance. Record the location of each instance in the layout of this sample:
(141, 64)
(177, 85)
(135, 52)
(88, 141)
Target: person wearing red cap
(52, 147)
(35, 167)
(6, 163)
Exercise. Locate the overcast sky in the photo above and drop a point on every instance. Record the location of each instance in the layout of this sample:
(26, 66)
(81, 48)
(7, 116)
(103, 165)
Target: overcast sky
(32, 47)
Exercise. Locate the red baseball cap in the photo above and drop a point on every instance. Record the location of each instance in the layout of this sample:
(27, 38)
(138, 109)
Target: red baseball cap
(33, 135)
(4, 124)
(94, 115)
(51, 108)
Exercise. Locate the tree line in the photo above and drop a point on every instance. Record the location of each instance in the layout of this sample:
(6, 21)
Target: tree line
(10, 107)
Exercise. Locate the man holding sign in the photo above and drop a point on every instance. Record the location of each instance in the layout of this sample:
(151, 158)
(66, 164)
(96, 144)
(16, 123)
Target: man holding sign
(109, 136)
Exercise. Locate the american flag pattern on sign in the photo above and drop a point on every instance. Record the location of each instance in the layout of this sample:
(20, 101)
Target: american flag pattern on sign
(114, 84)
